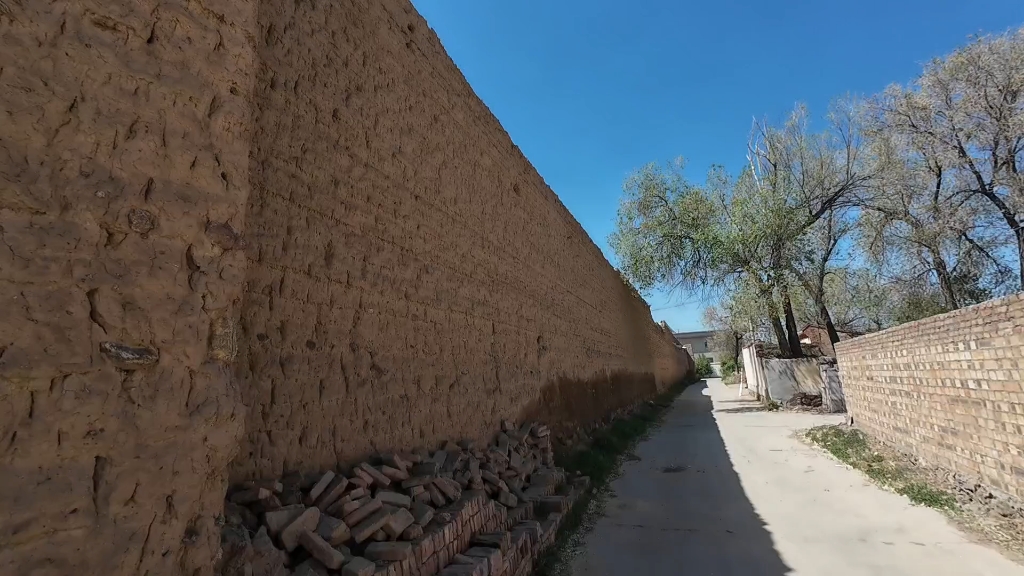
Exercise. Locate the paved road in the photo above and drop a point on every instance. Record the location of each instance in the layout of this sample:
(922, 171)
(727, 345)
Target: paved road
(752, 500)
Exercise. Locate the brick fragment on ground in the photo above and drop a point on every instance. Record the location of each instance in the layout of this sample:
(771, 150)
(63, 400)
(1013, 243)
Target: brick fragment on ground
(435, 495)
(274, 486)
(333, 530)
(320, 486)
(447, 487)
(364, 479)
(396, 461)
(362, 512)
(321, 550)
(417, 481)
(394, 474)
(305, 522)
(476, 569)
(332, 493)
(399, 520)
(365, 529)
(506, 499)
(378, 478)
(422, 514)
(491, 555)
(311, 567)
(413, 532)
(250, 495)
(499, 540)
(388, 551)
(277, 520)
(425, 468)
(358, 567)
(394, 498)
(344, 507)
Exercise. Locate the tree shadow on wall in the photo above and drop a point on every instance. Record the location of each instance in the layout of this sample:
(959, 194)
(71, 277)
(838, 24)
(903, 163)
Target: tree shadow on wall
(680, 508)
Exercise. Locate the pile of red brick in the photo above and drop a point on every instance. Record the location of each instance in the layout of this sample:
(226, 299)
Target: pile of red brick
(461, 511)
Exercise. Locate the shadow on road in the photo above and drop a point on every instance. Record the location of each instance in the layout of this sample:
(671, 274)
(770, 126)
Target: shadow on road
(681, 509)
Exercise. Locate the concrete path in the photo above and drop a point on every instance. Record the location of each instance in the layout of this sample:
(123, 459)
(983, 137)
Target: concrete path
(722, 489)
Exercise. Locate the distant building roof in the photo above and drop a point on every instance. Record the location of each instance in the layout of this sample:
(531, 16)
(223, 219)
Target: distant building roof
(697, 334)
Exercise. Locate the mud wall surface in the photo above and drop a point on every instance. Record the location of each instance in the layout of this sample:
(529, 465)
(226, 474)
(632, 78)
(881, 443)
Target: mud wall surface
(240, 236)
(411, 277)
(947, 389)
(124, 139)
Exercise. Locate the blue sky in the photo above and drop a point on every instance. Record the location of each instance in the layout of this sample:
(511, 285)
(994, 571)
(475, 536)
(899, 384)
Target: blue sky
(592, 90)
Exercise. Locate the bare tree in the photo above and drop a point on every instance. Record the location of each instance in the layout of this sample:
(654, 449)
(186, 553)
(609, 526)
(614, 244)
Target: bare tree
(967, 110)
(916, 220)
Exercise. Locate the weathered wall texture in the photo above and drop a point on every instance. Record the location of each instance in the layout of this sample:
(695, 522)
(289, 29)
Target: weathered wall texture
(124, 134)
(786, 377)
(406, 276)
(947, 388)
(411, 276)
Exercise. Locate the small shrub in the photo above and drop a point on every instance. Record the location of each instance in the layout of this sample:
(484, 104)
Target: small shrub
(730, 367)
(704, 369)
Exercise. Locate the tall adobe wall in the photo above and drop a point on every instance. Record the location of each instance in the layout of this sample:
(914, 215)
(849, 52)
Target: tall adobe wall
(317, 238)
(124, 137)
(411, 277)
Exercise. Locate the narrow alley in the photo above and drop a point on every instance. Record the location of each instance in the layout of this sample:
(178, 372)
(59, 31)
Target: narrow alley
(722, 489)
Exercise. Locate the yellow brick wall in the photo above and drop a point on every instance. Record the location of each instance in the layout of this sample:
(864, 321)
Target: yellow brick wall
(947, 389)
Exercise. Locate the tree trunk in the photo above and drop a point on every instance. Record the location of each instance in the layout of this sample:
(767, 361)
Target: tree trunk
(945, 282)
(833, 334)
(1019, 233)
(793, 332)
(780, 334)
(736, 348)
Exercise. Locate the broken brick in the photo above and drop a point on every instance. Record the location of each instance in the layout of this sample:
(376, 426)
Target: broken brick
(362, 512)
(394, 498)
(320, 486)
(491, 555)
(342, 508)
(417, 481)
(378, 478)
(311, 567)
(435, 495)
(394, 474)
(422, 514)
(388, 551)
(397, 523)
(506, 499)
(321, 550)
(250, 496)
(277, 520)
(305, 522)
(413, 532)
(358, 566)
(365, 529)
(447, 487)
(333, 530)
(332, 493)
